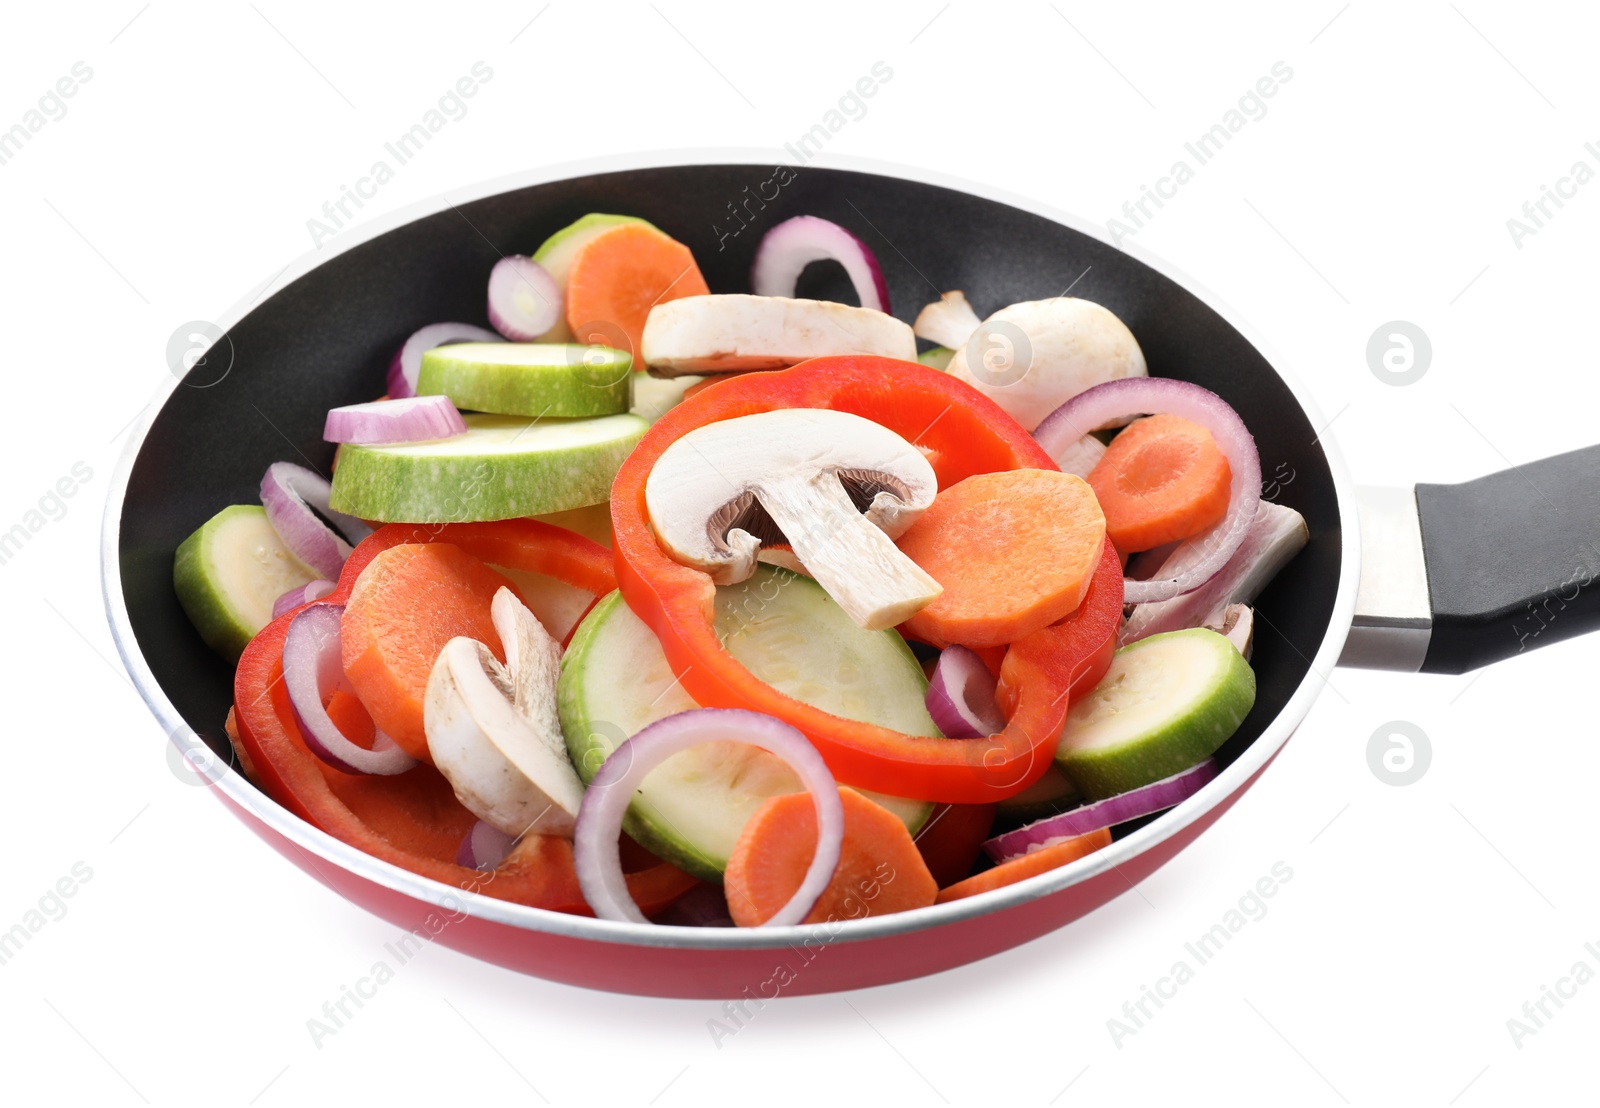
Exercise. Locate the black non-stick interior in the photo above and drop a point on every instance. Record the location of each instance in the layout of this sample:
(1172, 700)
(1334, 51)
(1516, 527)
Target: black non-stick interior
(326, 339)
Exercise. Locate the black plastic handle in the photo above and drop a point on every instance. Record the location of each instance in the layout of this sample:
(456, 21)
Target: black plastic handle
(1513, 560)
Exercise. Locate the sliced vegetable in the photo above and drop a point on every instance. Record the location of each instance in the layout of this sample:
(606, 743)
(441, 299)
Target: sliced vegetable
(312, 673)
(289, 493)
(503, 467)
(733, 333)
(408, 603)
(1115, 400)
(961, 695)
(1236, 623)
(229, 573)
(529, 378)
(1161, 480)
(1029, 865)
(615, 681)
(484, 847)
(948, 321)
(1033, 357)
(414, 419)
(962, 433)
(796, 476)
(557, 605)
(1167, 703)
(877, 870)
(1274, 536)
(493, 731)
(592, 521)
(653, 397)
(937, 358)
(1080, 455)
(301, 594)
(1157, 796)
(789, 247)
(558, 252)
(407, 362)
(606, 801)
(617, 278)
(952, 839)
(413, 820)
(524, 300)
(1014, 551)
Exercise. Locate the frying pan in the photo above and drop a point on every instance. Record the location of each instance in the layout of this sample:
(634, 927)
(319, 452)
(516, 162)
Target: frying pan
(1444, 579)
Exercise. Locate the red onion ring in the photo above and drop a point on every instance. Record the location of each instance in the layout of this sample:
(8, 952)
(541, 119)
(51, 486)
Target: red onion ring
(1115, 400)
(289, 493)
(304, 594)
(788, 248)
(594, 846)
(410, 419)
(960, 697)
(1144, 801)
(312, 669)
(407, 361)
(524, 300)
(484, 847)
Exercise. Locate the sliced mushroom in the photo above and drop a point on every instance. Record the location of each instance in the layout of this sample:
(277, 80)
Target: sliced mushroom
(948, 321)
(493, 730)
(730, 334)
(1237, 624)
(836, 488)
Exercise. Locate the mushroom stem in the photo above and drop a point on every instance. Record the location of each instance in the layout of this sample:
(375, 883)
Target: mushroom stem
(847, 554)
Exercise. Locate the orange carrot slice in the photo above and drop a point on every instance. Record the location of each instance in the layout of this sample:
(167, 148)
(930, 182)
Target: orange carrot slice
(1163, 478)
(1015, 552)
(619, 277)
(407, 604)
(1029, 865)
(879, 870)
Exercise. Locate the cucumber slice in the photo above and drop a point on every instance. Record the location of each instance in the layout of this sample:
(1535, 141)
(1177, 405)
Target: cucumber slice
(789, 632)
(654, 397)
(592, 521)
(228, 573)
(502, 468)
(529, 378)
(558, 252)
(937, 358)
(1166, 703)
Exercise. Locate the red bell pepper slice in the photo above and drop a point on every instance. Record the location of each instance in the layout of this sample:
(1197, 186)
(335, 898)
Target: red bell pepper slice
(413, 819)
(963, 433)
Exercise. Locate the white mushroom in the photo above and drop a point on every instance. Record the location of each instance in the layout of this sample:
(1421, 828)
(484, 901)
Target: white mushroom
(1033, 357)
(837, 488)
(734, 333)
(948, 321)
(493, 730)
(1237, 624)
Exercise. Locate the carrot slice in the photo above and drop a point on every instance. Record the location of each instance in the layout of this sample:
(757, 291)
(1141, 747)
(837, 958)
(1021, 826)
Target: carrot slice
(879, 870)
(1014, 550)
(1163, 478)
(407, 604)
(1029, 865)
(620, 276)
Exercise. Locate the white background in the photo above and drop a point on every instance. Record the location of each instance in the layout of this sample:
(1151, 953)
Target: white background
(1418, 920)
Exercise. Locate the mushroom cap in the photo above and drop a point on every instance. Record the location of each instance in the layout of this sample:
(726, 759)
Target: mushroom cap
(1033, 357)
(704, 493)
(736, 332)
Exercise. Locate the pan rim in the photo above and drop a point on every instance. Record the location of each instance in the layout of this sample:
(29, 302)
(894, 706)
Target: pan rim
(235, 788)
